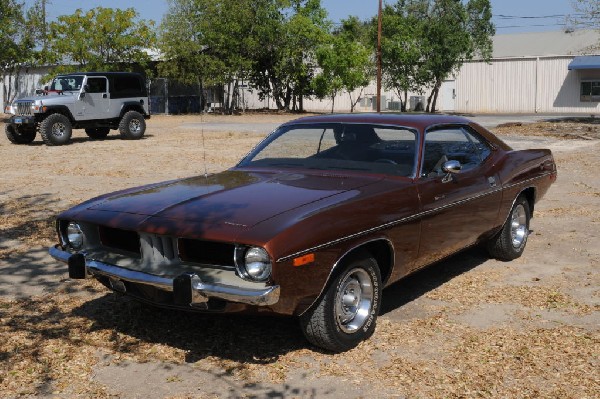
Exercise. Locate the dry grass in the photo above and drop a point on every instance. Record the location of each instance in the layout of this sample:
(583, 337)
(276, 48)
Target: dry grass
(50, 345)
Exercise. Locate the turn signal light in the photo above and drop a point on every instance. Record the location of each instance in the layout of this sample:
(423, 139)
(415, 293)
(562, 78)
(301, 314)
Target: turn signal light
(304, 260)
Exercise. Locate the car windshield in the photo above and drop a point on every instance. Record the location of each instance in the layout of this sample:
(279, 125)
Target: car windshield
(66, 83)
(338, 146)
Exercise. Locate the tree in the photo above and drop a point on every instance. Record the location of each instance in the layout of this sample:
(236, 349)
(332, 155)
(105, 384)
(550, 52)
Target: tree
(345, 62)
(455, 32)
(403, 47)
(20, 31)
(100, 39)
(285, 56)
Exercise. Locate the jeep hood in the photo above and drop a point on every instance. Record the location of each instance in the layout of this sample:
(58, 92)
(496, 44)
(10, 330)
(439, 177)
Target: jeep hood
(51, 98)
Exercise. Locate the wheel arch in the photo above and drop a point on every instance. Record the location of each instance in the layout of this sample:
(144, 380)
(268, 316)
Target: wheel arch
(530, 194)
(132, 106)
(381, 249)
(59, 109)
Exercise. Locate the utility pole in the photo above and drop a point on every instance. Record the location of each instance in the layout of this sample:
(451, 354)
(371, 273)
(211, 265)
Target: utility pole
(379, 22)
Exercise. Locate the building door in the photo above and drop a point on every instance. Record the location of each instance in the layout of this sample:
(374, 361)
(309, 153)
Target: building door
(448, 95)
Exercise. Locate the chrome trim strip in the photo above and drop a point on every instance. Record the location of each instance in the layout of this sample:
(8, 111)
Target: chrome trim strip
(406, 219)
(386, 225)
(260, 297)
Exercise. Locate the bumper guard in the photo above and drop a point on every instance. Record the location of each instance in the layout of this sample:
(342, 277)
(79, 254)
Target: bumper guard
(188, 288)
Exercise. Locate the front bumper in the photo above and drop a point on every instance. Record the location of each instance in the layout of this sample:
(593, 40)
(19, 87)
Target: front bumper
(187, 289)
(21, 120)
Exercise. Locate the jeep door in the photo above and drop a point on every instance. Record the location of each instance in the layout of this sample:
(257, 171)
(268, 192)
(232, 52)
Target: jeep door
(96, 102)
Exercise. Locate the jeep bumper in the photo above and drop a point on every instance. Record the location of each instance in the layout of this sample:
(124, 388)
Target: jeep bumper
(21, 120)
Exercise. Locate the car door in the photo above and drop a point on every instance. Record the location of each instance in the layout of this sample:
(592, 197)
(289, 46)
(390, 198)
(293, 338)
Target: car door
(96, 102)
(457, 209)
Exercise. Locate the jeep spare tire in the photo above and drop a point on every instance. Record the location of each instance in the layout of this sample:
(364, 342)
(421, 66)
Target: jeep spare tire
(132, 126)
(97, 133)
(56, 129)
(19, 134)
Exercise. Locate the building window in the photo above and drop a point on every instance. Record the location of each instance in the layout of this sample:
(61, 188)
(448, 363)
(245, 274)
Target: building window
(590, 91)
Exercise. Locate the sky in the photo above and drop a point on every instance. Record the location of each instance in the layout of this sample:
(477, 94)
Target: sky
(510, 16)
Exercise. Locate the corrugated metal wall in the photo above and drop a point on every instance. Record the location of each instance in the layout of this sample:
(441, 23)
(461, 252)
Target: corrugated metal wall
(522, 85)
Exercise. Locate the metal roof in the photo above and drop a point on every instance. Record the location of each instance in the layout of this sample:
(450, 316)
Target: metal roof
(536, 44)
(586, 62)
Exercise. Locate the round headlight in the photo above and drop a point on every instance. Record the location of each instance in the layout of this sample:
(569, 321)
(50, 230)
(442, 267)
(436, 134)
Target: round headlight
(257, 264)
(74, 235)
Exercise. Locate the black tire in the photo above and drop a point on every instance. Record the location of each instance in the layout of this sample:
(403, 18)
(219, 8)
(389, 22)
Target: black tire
(56, 129)
(333, 323)
(18, 134)
(510, 242)
(97, 133)
(132, 126)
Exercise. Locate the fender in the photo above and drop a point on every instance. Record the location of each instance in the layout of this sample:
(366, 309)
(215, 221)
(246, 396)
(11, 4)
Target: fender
(133, 106)
(58, 109)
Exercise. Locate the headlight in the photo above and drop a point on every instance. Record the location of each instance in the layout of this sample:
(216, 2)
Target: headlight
(74, 236)
(256, 265)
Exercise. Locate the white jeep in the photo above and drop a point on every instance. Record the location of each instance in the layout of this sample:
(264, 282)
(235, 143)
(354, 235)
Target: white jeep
(94, 101)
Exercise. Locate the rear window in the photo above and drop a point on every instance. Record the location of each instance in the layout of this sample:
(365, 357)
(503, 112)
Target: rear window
(127, 86)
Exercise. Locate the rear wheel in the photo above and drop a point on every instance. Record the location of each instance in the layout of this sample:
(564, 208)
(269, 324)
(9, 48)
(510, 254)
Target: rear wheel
(510, 243)
(56, 129)
(19, 134)
(97, 133)
(346, 314)
(132, 125)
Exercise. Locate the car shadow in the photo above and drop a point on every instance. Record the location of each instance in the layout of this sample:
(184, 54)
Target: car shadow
(76, 140)
(247, 339)
(421, 282)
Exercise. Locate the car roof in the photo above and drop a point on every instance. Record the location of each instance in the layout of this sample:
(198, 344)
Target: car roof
(420, 121)
(102, 74)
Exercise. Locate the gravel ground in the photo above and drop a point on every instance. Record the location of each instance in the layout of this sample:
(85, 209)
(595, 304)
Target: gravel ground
(466, 327)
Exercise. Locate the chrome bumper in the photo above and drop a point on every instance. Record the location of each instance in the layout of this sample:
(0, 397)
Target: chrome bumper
(188, 288)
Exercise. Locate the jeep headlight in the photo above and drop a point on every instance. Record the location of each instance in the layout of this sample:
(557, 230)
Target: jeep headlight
(8, 109)
(74, 236)
(255, 264)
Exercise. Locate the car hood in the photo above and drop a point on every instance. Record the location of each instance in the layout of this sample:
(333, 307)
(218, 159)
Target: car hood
(236, 198)
(51, 97)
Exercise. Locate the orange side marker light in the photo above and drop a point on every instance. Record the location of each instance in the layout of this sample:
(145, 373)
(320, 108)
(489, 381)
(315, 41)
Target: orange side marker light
(304, 260)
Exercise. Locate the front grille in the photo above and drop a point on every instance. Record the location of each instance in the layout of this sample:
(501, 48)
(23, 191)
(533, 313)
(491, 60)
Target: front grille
(123, 240)
(206, 252)
(158, 249)
(24, 108)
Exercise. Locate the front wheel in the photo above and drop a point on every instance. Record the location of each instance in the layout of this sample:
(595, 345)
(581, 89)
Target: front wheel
(346, 314)
(56, 129)
(510, 242)
(19, 134)
(132, 126)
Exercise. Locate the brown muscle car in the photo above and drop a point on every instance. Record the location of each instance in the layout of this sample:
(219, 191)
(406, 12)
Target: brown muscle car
(314, 222)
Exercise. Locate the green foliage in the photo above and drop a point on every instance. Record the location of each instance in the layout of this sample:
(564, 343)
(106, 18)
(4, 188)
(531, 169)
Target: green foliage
(269, 42)
(102, 39)
(426, 41)
(20, 29)
(345, 63)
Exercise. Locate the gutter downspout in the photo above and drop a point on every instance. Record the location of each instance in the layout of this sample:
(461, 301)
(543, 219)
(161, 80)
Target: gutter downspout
(537, 67)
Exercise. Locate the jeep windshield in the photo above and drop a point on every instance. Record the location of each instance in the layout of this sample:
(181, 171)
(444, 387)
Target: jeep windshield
(66, 83)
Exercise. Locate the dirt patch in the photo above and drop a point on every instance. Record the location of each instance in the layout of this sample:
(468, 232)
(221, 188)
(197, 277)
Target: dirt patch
(467, 327)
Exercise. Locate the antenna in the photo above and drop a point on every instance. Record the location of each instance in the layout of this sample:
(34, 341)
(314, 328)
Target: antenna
(203, 146)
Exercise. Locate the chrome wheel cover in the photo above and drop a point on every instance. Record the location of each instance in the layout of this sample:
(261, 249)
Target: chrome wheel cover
(518, 226)
(353, 300)
(135, 126)
(59, 129)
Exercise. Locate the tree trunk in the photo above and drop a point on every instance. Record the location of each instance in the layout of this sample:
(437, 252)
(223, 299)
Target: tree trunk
(301, 102)
(332, 102)
(434, 94)
(403, 103)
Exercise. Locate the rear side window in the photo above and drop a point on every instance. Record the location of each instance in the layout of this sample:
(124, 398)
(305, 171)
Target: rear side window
(127, 86)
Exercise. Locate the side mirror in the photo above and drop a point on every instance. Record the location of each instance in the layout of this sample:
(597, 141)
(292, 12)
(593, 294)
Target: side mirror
(82, 95)
(45, 88)
(450, 168)
(86, 88)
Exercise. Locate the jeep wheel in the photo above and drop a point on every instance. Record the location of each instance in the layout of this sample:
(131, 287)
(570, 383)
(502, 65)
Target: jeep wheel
(132, 126)
(97, 133)
(18, 134)
(56, 129)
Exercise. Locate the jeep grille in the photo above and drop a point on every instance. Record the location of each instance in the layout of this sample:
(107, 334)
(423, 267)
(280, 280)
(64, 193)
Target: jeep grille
(24, 108)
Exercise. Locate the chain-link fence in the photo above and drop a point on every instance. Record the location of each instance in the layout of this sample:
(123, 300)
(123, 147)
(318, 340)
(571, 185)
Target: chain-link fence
(171, 97)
